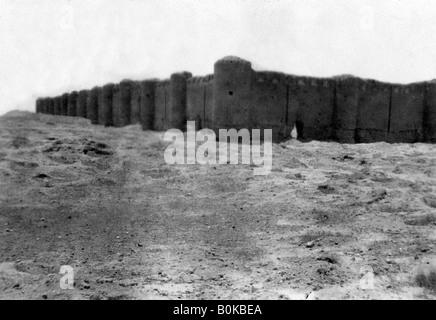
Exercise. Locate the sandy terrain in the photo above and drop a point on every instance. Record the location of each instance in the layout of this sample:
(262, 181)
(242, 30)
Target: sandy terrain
(103, 201)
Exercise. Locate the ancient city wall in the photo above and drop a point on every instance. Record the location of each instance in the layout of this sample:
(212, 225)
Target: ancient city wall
(135, 101)
(311, 107)
(43, 105)
(81, 103)
(195, 101)
(429, 122)
(175, 115)
(92, 105)
(50, 102)
(208, 83)
(268, 103)
(64, 104)
(72, 103)
(106, 109)
(160, 104)
(57, 106)
(147, 103)
(116, 105)
(372, 123)
(407, 113)
(346, 109)
(199, 97)
(231, 94)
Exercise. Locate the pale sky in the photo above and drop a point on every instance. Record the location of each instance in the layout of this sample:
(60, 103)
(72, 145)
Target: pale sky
(48, 47)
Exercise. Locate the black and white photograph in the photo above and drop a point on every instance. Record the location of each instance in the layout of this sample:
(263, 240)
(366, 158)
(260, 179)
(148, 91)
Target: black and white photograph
(235, 150)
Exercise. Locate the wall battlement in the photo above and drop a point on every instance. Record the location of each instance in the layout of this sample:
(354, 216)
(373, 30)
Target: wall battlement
(343, 108)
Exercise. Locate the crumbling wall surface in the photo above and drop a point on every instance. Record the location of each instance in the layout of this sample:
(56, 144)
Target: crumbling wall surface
(231, 94)
(135, 116)
(116, 105)
(176, 108)
(57, 106)
(106, 110)
(64, 104)
(43, 105)
(126, 102)
(51, 106)
(38, 105)
(407, 112)
(161, 101)
(72, 103)
(195, 101)
(208, 101)
(147, 103)
(100, 106)
(92, 105)
(429, 122)
(372, 122)
(81, 103)
(269, 103)
(346, 108)
(311, 104)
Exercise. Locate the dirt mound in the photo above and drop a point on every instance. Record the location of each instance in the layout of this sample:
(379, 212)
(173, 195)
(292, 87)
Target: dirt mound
(18, 114)
(79, 146)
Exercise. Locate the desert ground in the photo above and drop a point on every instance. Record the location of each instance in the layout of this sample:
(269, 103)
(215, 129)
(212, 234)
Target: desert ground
(328, 220)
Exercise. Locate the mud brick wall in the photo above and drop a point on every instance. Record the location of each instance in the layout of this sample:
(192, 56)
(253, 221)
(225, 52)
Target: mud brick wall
(407, 113)
(122, 103)
(57, 106)
(195, 101)
(100, 106)
(175, 115)
(44, 105)
(311, 107)
(72, 103)
(161, 99)
(231, 94)
(372, 123)
(208, 107)
(50, 102)
(147, 103)
(135, 116)
(199, 97)
(64, 104)
(429, 123)
(116, 105)
(346, 108)
(92, 105)
(38, 105)
(50, 106)
(106, 110)
(81, 103)
(41, 105)
(269, 103)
